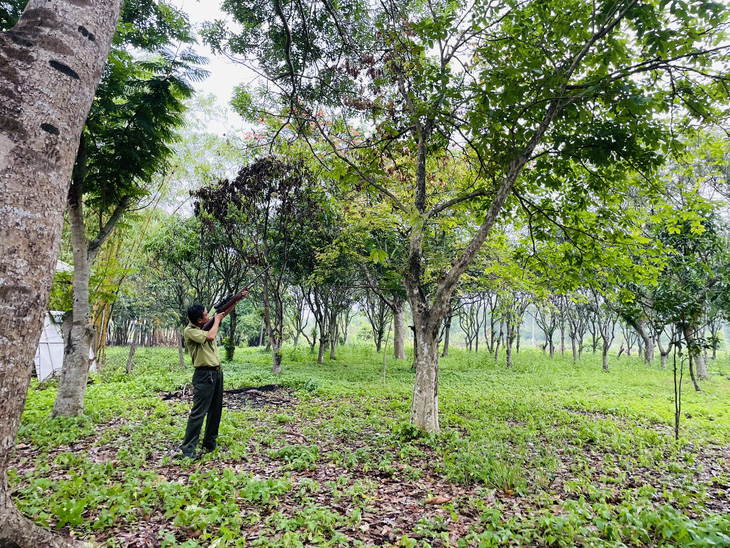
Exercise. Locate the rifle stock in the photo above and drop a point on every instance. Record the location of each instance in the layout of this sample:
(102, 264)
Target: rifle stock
(230, 303)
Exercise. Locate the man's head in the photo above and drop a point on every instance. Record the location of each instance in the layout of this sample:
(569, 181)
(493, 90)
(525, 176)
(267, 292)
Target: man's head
(197, 314)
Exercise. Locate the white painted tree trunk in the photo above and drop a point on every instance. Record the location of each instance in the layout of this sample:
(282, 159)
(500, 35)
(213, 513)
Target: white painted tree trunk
(50, 65)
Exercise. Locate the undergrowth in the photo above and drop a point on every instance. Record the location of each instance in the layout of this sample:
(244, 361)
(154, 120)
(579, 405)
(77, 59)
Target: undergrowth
(546, 453)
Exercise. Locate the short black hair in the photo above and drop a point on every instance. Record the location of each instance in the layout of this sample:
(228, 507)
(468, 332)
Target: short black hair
(196, 312)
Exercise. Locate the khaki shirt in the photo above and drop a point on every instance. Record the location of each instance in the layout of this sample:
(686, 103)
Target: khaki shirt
(204, 353)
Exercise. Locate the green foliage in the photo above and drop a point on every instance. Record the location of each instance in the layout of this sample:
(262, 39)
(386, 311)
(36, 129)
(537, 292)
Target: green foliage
(127, 137)
(10, 11)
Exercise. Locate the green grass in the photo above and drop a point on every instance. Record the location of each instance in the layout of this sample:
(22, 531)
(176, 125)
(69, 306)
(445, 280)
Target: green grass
(545, 454)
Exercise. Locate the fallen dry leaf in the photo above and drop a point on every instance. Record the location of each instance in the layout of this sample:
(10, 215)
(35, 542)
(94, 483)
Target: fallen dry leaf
(438, 500)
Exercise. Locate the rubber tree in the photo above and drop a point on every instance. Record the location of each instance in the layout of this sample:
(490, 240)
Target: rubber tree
(51, 63)
(541, 98)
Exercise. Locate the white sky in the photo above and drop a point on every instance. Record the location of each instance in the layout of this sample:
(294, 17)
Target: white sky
(224, 74)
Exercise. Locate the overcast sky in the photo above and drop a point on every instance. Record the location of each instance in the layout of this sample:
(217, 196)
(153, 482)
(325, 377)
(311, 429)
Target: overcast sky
(224, 75)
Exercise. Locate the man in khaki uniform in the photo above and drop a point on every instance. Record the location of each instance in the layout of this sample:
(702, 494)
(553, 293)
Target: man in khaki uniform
(207, 381)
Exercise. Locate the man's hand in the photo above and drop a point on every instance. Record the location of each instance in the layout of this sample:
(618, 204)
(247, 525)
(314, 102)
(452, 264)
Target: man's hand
(219, 317)
(245, 292)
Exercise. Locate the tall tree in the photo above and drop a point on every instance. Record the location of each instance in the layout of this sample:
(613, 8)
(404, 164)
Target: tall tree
(540, 99)
(50, 63)
(125, 142)
(696, 274)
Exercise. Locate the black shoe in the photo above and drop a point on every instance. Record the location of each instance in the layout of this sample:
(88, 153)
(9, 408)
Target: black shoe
(183, 455)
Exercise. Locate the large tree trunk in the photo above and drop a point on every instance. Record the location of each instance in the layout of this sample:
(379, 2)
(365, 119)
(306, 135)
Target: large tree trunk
(50, 64)
(322, 349)
(424, 407)
(399, 330)
(701, 365)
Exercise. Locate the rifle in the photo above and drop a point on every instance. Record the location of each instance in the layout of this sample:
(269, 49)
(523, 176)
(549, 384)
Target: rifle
(228, 303)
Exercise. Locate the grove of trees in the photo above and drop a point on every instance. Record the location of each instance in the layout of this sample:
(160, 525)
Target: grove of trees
(418, 165)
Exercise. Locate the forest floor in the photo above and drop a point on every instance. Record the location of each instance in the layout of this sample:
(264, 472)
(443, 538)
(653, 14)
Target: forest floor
(548, 454)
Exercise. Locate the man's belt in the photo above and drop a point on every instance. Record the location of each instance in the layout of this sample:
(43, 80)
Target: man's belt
(209, 368)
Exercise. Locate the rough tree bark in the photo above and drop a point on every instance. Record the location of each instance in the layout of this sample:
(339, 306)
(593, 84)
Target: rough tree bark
(50, 65)
(697, 359)
(180, 351)
(399, 330)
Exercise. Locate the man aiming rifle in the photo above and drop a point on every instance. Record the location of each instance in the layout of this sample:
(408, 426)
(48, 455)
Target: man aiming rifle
(200, 336)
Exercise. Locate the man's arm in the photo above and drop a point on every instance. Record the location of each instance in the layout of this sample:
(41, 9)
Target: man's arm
(214, 330)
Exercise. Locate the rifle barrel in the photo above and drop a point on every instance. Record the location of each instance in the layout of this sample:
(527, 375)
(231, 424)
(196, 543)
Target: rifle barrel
(233, 301)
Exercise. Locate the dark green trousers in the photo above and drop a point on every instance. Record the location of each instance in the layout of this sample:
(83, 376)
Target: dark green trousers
(207, 400)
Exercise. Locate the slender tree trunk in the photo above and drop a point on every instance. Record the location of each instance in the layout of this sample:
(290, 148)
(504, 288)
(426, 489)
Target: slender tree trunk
(322, 348)
(697, 357)
(604, 354)
(130, 358)
(508, 344)
(649, 343)
(75, 372)
(693, 376)
(276, 334)
(50, 67)
(551, 345)
(497, 343)
(231, 346)
(180, 350)
(447, 332)
(574, 347)
(333, 336)
(399, 330)
(701, 363)
(275, 347)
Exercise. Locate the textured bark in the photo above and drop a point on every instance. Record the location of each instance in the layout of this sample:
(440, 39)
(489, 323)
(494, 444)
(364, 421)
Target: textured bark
(697, 358)
(508, 343)
(701, 364)
(180, 350)
(130, 357)
(50, 65)
(424, 408)
(646, 336)
(447, 332)
(74, 375)
(399, 330)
